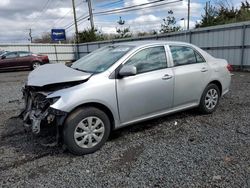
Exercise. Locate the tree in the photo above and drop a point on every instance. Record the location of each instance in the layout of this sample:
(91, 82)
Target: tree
(224, 13)
(90, 35)
(209, 18)
(123, 32)
(169, 24)
(45, 38)
(144, 33)
(244, 12)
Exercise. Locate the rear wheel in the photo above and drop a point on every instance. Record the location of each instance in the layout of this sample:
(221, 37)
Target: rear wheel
(86, 130)
(35, 65)
(210, 99)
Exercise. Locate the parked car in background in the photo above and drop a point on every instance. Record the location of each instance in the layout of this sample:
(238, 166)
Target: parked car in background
(119, 85)
(2, 53)
(21, 60)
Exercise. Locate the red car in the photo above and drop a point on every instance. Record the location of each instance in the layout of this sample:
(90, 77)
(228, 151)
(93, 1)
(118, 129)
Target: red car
(21, 60)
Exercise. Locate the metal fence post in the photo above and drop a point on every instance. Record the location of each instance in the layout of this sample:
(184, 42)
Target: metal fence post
(242, 47)
(190, 36)
(87, 47)
(56, 54)
(77, 51)
(28, 47)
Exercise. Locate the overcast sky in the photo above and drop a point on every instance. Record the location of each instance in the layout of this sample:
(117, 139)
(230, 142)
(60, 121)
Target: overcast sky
(18, 16)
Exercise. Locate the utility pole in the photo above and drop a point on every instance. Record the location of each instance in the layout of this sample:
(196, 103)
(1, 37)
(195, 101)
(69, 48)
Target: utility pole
(75, 21)
(206, 12)
(206, 8)
(91, 15)
(30, 35)
(188, 15)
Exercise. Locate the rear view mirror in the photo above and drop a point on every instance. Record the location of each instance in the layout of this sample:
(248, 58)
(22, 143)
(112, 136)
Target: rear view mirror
(128, 70)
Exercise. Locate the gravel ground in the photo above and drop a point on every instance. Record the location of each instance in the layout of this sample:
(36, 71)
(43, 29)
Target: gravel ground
(182, 150)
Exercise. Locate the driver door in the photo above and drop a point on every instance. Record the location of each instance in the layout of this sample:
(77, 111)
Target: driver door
(9, 61)
(150, 91)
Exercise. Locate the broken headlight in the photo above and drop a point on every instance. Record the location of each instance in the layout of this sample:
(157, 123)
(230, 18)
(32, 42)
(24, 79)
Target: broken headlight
(53, 100)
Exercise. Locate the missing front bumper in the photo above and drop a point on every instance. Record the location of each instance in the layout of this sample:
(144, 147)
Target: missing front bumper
(38, 112)
(34, 119)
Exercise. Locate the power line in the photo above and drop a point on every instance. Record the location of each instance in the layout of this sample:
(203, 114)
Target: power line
(78, 20)
(112, 4)
(110, 22)
(63, 17)
(134, 7)
(129, 8)
(46, 5)
(60, 19)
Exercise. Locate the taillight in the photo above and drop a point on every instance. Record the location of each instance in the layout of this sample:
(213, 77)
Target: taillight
(229, 68)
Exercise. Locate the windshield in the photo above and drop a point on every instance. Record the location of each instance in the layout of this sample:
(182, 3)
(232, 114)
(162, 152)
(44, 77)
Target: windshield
(101, 59)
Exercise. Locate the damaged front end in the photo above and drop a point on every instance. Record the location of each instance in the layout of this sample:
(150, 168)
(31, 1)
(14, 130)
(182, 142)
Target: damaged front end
(37, 110)
(41, 85)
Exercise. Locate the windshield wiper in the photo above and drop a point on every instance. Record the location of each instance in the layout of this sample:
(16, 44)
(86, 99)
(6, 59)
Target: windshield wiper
(83, 70)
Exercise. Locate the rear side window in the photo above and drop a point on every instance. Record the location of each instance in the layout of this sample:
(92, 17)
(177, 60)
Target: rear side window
(149, 59)
(24, 54)
(183, 55)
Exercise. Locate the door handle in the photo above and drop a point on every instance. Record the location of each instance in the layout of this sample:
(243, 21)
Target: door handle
(166, 77)
(204, 69)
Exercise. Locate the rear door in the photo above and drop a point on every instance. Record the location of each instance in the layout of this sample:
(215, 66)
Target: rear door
(191, 75)
(24, 59)
(150, 91)
(10, 60)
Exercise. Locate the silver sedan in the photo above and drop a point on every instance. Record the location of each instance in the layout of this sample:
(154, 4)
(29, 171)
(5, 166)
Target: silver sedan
(119, 85)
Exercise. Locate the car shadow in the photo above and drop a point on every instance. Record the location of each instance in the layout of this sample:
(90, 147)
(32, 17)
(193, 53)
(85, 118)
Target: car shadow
(15, 70)
(151, 124)
(22, 143)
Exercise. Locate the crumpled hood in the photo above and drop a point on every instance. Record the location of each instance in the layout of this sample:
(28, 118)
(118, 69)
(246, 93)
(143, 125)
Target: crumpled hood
(55, 73)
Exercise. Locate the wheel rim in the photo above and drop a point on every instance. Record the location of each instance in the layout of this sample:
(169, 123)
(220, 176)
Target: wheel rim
(211, 99)
(89, 132)
(35, 65)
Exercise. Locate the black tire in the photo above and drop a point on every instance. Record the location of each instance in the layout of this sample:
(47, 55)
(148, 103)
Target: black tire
(202, 107)
(71, 124)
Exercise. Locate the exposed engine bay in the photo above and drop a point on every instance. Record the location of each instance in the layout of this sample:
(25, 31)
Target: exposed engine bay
(37, 111)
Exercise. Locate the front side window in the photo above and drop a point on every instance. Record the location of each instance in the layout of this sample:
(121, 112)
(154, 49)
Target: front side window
(149, 59)
(183, 55)
(199, 58)
(11, 55)
(101, 59)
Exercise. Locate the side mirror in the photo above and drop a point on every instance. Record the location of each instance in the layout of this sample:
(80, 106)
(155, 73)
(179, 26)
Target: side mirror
(3, 57)
(128, 70)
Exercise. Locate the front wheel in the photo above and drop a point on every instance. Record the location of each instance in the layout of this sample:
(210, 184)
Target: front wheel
(86, 130)
(209, 99)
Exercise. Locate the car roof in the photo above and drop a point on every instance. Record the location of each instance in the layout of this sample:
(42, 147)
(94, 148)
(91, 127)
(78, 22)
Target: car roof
(152, 42)
(145, 43)
(23, 51)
